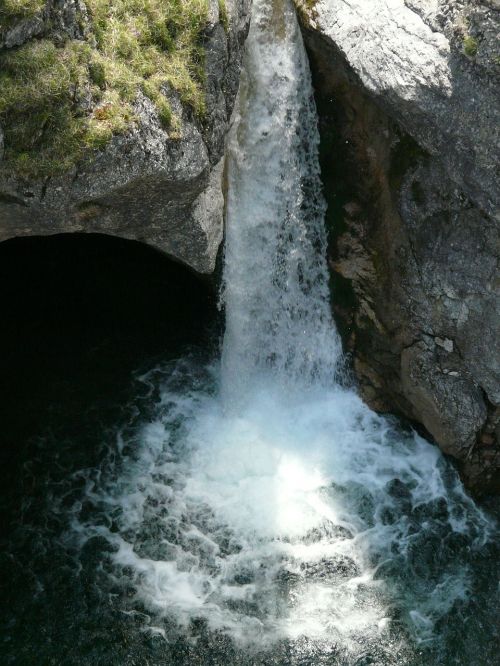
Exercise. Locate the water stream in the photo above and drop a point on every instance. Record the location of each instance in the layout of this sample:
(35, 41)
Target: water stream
(251, 509)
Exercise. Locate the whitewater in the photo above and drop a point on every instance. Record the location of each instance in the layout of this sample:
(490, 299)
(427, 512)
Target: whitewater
(259, 496)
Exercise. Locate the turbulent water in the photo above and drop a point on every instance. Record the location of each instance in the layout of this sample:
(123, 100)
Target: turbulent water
(252, 509)
(278, 321)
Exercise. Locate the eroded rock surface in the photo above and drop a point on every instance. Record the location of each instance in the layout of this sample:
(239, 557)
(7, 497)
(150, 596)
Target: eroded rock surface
(149, 184)
(412, 57)
(409, 102)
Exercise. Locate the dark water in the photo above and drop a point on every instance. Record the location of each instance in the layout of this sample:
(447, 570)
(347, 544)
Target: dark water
(83, 318)
(79, 315)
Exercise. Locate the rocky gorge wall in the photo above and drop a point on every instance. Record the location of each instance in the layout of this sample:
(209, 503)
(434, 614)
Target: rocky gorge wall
(409, 101)
(156, 181)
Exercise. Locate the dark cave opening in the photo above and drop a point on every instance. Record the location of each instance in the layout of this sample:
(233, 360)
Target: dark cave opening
(80, 313)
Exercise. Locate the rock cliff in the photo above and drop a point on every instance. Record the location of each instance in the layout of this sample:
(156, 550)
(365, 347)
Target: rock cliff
(409, 104)
(158, 177)
(409, 100)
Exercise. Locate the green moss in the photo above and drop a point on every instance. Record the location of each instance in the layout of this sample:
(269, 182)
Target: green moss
(42, 131)
(223, 15)
(154, 40)
(163, 107)
(136, 45)
(12, 11)
(470, 47)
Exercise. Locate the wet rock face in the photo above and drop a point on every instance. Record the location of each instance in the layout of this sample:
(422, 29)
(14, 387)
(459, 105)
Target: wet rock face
(415, 237)
(147, 185)
(433, 65)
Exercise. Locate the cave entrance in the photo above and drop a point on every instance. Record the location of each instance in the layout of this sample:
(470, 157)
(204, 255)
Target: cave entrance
(80, 313)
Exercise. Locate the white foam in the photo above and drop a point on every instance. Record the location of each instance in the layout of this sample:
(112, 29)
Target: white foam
(279, 506)
(273, 521)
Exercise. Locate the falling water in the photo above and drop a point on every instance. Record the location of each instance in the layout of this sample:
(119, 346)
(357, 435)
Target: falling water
(259, 502)
(278, 317)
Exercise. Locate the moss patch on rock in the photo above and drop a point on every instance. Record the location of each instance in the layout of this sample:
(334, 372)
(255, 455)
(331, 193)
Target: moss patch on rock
(12, 11)
(57, 102)
(223, 15)
(471, 47)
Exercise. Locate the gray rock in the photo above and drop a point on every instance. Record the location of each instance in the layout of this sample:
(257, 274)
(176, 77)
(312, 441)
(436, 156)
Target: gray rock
(416, 250)
(451, 406)
(418, 74)
(21, 32)
(457, 248)
(208, 218)
(61, 19)
(146, 185)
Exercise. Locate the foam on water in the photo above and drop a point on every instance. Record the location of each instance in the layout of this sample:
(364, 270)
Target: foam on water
(262, 496)
(306, 517)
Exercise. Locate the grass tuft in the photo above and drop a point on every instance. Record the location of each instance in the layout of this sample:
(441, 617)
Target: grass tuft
(223, 15)
(57, 102)
(12, 11)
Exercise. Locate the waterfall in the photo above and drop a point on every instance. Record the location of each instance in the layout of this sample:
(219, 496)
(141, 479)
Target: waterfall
(276, 280)
(260, 499)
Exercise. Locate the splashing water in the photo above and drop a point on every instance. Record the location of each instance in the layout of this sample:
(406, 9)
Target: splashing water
(262, 498)
(276, 283)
